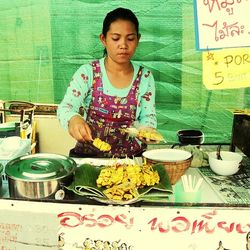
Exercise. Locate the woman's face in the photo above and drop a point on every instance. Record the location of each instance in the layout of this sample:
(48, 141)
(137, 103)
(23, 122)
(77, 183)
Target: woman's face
(121, 41)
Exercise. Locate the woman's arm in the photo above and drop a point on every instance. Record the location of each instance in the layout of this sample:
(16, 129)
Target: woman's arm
(147, 116)
(77, 93)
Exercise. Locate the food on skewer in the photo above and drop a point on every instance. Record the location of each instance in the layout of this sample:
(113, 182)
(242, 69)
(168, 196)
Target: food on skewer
(150, 134)
(101, 145)
(146, 133)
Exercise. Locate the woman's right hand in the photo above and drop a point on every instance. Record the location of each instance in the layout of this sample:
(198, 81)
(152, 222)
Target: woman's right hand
(79, 129)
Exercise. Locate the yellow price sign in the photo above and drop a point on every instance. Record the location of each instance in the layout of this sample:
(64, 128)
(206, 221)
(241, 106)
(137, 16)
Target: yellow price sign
(226, 68)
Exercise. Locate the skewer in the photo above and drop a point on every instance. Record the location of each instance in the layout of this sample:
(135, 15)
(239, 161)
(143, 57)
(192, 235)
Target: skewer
(190, 184)
(197, 186)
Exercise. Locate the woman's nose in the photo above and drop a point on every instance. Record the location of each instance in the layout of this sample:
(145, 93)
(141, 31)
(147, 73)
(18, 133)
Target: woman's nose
(123, 44)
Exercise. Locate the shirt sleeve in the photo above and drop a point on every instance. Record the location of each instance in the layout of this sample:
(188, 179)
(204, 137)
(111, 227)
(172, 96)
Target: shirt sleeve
(76, 94)
(147, 116)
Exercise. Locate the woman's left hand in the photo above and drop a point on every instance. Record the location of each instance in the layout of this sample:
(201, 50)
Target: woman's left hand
(148, 141)
(147, 135)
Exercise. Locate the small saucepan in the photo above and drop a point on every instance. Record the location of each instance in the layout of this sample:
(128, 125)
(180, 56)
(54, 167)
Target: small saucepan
(39, 176)
(190, 136)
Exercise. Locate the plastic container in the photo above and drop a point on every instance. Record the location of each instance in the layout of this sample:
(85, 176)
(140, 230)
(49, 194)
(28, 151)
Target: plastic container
(182, 196)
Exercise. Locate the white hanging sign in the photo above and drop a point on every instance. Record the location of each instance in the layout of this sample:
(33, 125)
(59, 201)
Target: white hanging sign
(222, 23)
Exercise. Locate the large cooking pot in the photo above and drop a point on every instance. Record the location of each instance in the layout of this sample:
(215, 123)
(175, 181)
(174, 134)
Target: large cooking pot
(39, 176)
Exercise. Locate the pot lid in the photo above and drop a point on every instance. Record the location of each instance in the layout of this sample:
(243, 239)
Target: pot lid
(40, 166)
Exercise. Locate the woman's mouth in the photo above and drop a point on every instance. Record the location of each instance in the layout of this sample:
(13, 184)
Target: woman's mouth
(123, 54)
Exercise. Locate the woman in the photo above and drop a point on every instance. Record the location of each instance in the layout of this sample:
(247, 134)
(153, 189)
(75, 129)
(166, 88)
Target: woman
(114, 92)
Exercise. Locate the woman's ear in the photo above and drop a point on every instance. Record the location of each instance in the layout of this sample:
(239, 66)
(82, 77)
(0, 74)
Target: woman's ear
(138, 38)
(102, 39)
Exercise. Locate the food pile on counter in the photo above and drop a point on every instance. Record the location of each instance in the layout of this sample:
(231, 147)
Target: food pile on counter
(122, 183)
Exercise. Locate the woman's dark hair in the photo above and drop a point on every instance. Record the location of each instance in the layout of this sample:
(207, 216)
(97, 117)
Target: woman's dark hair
(116, 14)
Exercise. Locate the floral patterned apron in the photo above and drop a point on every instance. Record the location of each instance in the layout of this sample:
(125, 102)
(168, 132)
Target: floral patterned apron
(107, 116)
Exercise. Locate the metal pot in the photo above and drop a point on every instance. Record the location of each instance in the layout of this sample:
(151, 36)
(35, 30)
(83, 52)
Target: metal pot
(39, 176)
(190, 136)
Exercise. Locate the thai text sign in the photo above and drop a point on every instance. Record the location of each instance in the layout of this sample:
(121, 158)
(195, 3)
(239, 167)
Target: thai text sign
(154, 228)
(44, 225)
(222, 23)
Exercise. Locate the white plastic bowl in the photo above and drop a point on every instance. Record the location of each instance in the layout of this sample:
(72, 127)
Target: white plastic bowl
(167, 155)
(229, 164)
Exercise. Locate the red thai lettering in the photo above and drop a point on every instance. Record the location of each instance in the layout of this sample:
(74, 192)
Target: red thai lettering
(88, 221)
(105, 220)
(163, 230)
(121, 218)
(212, 4)
(223, 225)
(227, 30)
(155, 225)
(209, 215)
(182, 224)
(70, 219)
(239, 228)
(201, 226)
(225, 4)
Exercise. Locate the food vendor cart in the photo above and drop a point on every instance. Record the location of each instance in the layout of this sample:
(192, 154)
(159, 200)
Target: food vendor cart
(42, 42)
(216, 216)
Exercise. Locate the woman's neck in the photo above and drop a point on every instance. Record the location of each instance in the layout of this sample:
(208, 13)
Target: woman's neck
(119, 75)
(116, 68)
